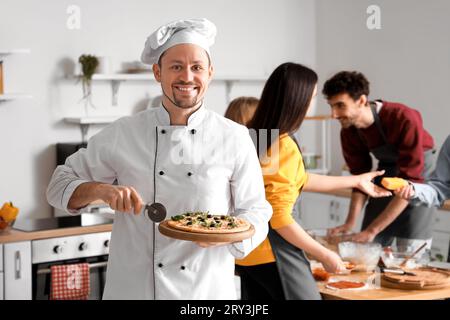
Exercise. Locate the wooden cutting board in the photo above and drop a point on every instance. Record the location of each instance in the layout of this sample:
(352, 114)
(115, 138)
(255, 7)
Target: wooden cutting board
(424, 278)
(168, 231)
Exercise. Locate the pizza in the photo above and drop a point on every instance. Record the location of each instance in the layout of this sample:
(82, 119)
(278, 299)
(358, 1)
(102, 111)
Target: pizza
(204, 222)
(343, 284)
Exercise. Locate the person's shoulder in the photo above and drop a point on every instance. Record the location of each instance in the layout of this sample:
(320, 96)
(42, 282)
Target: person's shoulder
(224, 123)
(135, 119)
(398, 111)
(289, 147)
(286, 141)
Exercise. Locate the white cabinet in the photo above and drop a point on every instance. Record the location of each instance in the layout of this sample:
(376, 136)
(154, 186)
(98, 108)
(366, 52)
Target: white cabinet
(2, 297)
(1, 257)
(442, 221)
(317, 210)
(1, 273)
(17, 270)
(440, 246)
(441, 236)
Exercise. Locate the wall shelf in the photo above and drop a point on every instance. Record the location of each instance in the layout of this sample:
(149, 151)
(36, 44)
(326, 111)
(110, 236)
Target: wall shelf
(85, 122)
(14, 51)
(14, 96)
(11, 96)
(117, 78)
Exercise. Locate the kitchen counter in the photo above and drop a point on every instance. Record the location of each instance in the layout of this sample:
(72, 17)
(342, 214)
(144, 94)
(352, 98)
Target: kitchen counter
(13, 235)
(346, 193)
(380, 293)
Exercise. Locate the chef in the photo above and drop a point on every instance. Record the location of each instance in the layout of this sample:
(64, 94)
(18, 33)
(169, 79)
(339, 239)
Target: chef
(179, 155)
(393, 134)
(437, 189)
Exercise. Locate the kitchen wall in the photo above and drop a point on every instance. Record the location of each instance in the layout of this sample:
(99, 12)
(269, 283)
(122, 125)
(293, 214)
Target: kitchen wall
(407, 60)
(253, 38)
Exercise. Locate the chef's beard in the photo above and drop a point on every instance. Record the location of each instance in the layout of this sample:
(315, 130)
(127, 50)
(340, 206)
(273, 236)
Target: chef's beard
(181, 103)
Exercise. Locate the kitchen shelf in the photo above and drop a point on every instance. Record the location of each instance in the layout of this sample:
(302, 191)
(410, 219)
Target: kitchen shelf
(325, 126)
(85, 122)
(117, 78)
(15, 51)
(14, 96)
(11, 96)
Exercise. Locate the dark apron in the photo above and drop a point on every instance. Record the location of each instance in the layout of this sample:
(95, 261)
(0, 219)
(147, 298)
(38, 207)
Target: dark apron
(413, 222)
(293, 267)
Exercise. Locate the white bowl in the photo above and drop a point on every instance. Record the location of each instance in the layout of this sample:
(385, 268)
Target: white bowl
(364, 255)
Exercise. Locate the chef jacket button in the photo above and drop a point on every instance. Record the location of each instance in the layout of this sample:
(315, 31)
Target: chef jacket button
(160, 265)
(163, 131)
(190, 174)
(161, 173)
(183, 267)
(193, 131)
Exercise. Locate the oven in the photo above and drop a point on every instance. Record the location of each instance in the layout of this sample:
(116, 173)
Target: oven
(92, 248)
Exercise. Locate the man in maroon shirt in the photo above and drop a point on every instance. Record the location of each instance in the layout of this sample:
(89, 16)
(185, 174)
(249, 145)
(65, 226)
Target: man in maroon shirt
(394, 135)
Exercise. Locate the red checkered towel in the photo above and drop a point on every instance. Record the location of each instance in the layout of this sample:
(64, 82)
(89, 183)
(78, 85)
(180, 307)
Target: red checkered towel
(70, 282)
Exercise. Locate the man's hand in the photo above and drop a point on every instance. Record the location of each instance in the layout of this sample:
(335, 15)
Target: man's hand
(211, 244)
(364, 236)
(405, 193)
(121, 198)
(366, 185)
(346, 227)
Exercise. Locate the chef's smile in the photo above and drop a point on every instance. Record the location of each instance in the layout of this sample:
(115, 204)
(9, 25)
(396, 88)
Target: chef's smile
(185, 90)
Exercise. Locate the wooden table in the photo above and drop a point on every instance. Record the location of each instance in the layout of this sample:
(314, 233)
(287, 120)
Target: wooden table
(380, 293)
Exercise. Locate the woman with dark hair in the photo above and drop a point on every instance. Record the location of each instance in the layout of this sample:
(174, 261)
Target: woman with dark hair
(278, 268)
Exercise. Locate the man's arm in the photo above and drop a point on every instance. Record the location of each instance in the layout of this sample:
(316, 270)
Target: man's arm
(248, 194)
(437, 189)
(389, 214)
(120, 198)
(423, 194)
(88, 175)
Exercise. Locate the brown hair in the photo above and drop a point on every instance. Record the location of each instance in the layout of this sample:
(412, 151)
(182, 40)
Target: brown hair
(242, 109)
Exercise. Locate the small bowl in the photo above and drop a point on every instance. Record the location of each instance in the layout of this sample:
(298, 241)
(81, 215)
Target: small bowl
(329, 241)
(364, 256)
(393, 257)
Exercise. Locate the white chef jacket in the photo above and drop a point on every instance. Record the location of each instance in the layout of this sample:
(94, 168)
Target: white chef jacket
(163, 164)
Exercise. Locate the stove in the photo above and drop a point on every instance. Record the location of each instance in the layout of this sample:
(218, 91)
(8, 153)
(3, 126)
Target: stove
(81, 220)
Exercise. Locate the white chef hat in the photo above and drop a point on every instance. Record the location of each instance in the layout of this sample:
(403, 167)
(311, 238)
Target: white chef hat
(196, 31)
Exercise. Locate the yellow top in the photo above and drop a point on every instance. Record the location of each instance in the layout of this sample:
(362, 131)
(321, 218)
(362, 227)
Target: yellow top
(284, 176)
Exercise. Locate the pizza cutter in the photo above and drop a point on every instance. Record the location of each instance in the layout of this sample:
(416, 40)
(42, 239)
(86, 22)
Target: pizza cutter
(155, 211)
